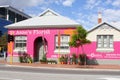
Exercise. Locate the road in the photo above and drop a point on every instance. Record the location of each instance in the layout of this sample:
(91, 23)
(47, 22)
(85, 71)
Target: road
(28, 73)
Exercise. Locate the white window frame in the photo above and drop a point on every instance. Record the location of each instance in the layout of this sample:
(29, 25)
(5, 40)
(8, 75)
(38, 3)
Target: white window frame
(20, 44)
(105, 43)
(64, 44)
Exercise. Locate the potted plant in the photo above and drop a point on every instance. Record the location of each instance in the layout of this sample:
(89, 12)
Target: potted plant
(52, 62)
(83, 58)
(44, 59)
(74, 58)
(65, 59)
(62, 59)
(25, 58)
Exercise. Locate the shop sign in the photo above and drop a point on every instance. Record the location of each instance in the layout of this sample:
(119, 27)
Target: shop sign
(104, 55)
(29, 32)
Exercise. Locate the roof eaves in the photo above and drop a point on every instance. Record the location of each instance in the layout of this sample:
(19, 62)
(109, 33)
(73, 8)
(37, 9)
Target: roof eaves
(43, 26)
(4, 6)
(50, 11)
(101, 24)
(95, 27)
(115, 27)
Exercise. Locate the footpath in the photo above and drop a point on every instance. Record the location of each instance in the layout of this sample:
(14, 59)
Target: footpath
(38, 64)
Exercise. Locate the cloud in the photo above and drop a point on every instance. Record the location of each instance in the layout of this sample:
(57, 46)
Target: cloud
(90, 4)
(21, 3)
(108, 1)
(111, 15)
(116, 3)
(5, 2)
(68, 2)
(86, 20)
(94, 4)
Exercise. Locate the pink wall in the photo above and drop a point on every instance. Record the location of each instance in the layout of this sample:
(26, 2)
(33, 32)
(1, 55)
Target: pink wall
(90, 50)
(49, 34)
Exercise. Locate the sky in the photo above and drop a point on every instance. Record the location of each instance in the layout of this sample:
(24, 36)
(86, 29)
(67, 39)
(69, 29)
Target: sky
(84, 12)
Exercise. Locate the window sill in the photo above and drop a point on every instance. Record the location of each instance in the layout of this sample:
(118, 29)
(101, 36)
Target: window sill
(20, 51)
(62, 51)
(105, 49)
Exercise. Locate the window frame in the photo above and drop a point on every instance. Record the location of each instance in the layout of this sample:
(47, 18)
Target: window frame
(103, 43)
(20, 45)
(63, 48)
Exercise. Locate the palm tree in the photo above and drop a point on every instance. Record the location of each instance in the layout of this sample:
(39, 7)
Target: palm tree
(79, 38)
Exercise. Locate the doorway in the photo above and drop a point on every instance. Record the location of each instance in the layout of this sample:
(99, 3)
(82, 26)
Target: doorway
(40, 45)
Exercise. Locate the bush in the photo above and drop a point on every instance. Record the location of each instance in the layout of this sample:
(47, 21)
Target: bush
(74, 58)
(25, 58)
(44, 59)
(82, 58)
(64, 59)
(52, 61)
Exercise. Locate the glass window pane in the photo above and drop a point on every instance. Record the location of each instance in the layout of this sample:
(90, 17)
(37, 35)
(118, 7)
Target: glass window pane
(99, 45)
(105, 45)
(63, 41)
(105, 41)
(20, 41)
(111, 45)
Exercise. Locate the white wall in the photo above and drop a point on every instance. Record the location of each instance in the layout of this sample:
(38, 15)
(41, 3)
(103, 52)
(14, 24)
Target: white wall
(104, 30)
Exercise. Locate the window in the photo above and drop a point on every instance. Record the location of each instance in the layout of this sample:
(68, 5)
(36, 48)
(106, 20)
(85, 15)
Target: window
(64, 42)
(20, 43)
(105, 42)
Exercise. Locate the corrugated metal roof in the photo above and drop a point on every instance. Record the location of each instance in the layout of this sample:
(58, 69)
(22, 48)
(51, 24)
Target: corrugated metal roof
(115, 25)
(48, 19)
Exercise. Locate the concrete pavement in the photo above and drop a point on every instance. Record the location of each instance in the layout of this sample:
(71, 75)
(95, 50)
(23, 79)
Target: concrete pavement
(66, 66)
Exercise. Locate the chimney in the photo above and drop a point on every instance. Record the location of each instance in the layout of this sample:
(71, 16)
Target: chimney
(99, 17)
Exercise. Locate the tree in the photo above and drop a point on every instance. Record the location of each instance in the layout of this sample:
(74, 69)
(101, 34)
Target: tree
(3, 40)
(79, 38)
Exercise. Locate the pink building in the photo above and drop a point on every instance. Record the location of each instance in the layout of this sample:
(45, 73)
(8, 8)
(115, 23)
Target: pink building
(39, 35)
(105, 46)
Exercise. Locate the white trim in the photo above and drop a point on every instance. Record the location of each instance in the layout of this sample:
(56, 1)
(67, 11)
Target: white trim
(99, 15)
(62, 51)
(44, 12)
(17, 50)
(104, 49)
(98, 25)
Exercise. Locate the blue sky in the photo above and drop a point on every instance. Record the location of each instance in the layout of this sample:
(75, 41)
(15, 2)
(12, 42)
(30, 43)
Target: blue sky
(84, 12)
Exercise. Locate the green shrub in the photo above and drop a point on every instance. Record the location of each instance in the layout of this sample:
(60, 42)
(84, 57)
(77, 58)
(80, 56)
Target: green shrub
(82, 58)
(52, 61)
(74, 57)
(44, 59)
(62, 58)
(21, 59)
(25, 58)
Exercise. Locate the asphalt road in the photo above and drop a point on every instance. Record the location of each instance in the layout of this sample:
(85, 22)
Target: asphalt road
(28, 73)
(58, 70)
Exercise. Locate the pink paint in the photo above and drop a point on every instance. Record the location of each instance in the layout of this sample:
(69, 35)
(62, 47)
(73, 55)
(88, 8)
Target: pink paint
(49, 35)
(90, 50)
